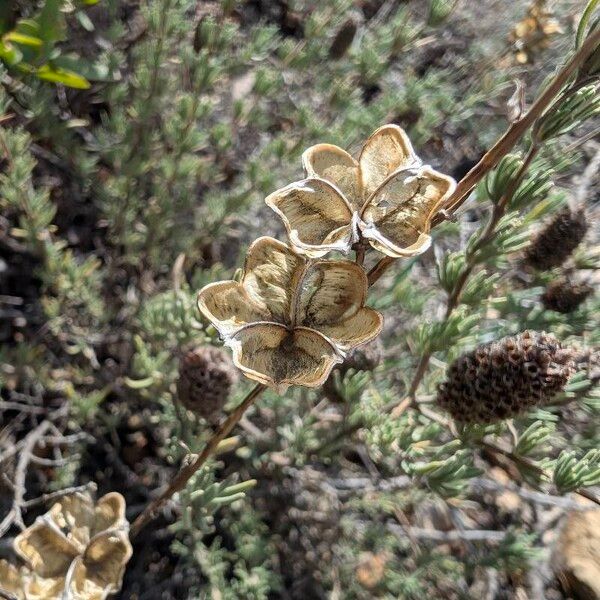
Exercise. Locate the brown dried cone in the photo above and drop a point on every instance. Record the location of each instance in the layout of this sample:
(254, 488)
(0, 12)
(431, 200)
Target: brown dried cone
(343, 39)
(564, 296)
(501, 379)
(206, 377)
(557, 240)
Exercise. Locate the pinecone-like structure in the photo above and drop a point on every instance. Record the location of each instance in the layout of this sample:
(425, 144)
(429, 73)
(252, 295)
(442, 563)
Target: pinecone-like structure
(206, 376)
(557, 240)
(564, 296)
(343, 39)
(501, 379)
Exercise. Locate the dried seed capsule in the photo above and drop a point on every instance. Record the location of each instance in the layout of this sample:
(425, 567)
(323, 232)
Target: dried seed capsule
(343, 39)
(206, 376)
(565, 296)
(557, 240)
(501, 379)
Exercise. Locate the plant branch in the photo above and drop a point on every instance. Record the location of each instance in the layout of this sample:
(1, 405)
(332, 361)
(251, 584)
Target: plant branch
(518, 128)
(379, 269)
(505, 143)
(185, 474)
(453, 299)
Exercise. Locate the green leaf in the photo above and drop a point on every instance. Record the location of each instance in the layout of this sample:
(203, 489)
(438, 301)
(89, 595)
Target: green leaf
(585, 19)
(85, 21)
(52, 22)
(64, 76)
(23, 39)
(9, 54)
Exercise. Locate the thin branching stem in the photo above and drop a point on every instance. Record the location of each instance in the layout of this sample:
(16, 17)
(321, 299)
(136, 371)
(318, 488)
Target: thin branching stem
(185, 474)
(487, 236)
(505, 143)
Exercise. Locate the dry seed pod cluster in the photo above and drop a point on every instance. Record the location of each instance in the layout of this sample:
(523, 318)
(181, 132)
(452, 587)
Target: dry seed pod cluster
(501, 379)
(386, 196)
(553, 245)
(290, 320)
(294, 316)
(565, 296)
(206, 377)
(78, 550)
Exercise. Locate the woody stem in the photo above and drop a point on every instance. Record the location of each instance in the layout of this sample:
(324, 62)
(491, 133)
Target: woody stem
(506, 142)
(519, 127)
(180, 480)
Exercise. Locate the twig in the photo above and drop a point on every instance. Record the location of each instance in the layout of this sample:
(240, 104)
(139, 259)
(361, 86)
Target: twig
(530, 465)
(517, 129)
(185, 474)
(44, 498)
(14, 515)
(456, 535)
(482, 484)
(379, 269)
(505, 143)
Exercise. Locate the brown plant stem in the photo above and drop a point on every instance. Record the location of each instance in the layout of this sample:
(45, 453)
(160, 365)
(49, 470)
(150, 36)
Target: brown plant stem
(519, 127)
(180, 480)
(505, 143)
(487, 236)
(379, 269)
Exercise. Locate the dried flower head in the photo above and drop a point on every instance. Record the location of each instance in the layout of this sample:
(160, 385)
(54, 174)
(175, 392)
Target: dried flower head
(206, 376)
(12, 580)
(290, 320)
(557, 240)
(77, 549)
(501, 379)
(565, 296)
(387, 196)
(533, 33)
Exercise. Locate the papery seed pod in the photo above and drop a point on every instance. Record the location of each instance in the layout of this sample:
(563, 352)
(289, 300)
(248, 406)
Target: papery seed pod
(365, 358)
(206, 376)
(565, 296)
(557, 240)
(501, 379)
(343, 39)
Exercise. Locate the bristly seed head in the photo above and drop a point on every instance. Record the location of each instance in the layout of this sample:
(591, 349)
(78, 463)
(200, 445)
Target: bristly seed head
(565, 296)
(501, 379)
(206, 377)
(557, 240)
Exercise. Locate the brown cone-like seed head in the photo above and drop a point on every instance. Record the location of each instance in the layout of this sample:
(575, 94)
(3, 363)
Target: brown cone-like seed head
(564, 296)
(206, 376)
(501, 379)
(343, 39)
(557, 240)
